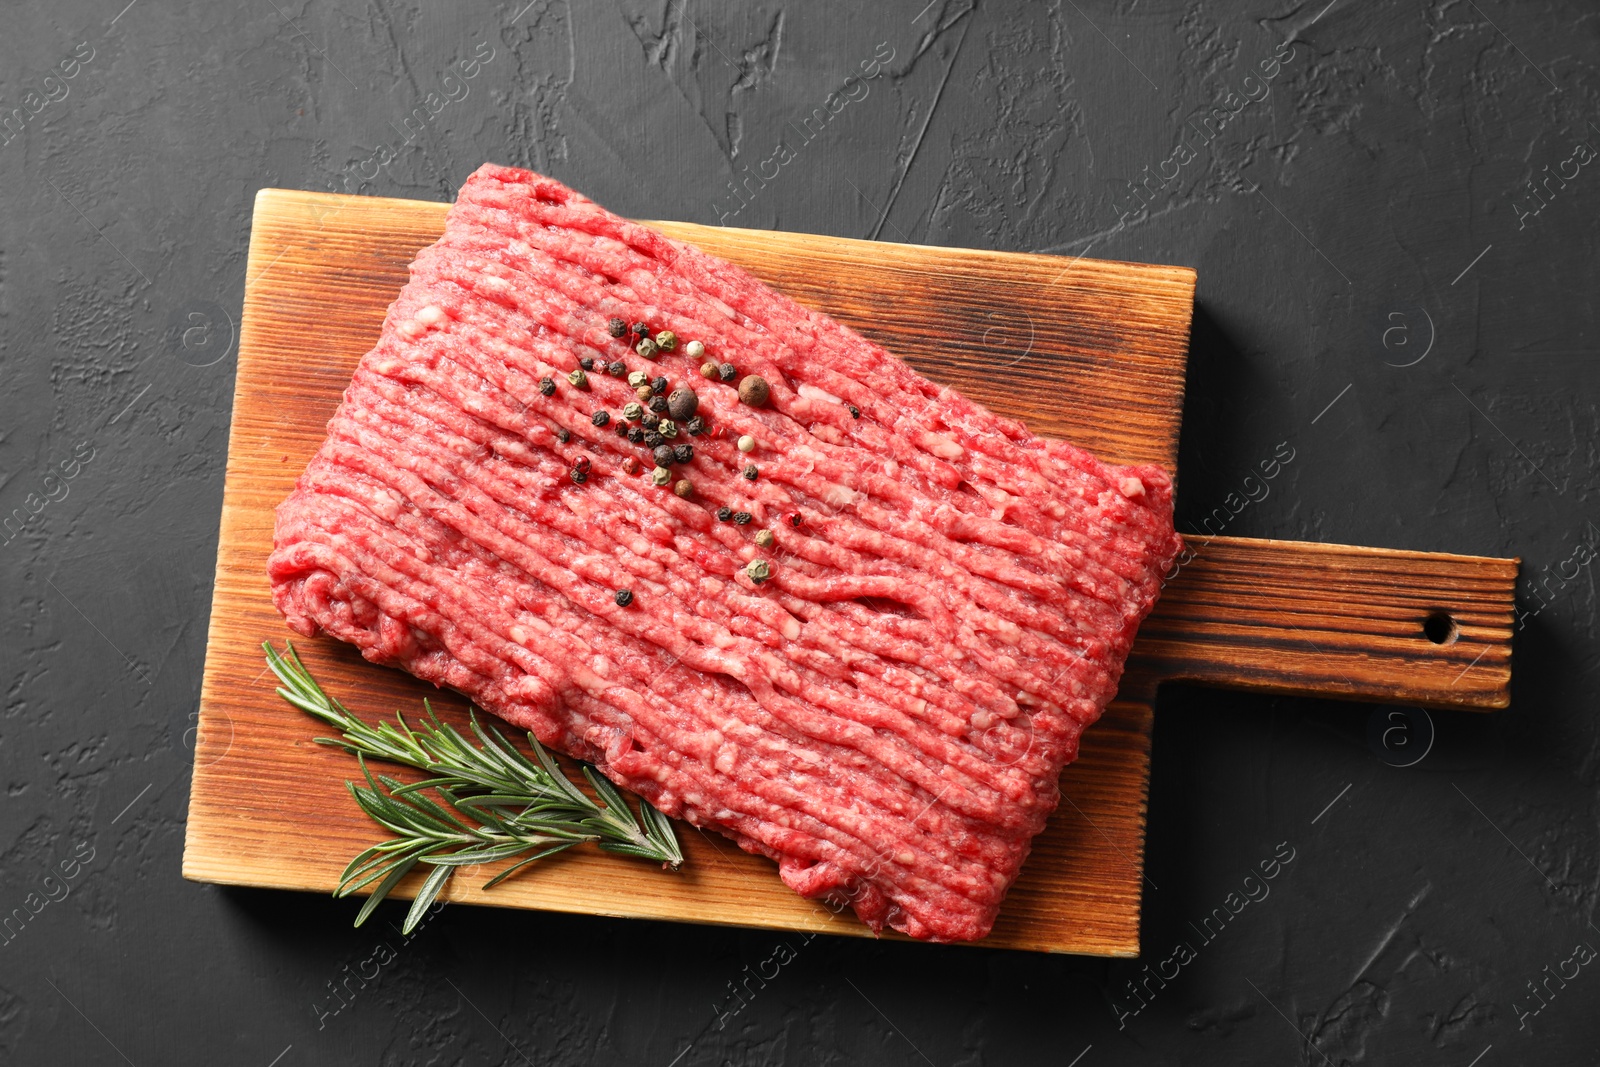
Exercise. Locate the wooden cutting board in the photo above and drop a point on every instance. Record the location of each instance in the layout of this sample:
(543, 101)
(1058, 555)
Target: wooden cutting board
(1087, 350)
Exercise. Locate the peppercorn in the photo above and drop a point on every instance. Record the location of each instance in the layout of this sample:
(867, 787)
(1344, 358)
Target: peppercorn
(683, 403)
(725, 513)
(617, 369)
(764, 539)
(646, 348)
(660, 476)
(641, 329)
(708, 370)
(547, 387)
(758, 571)
(586, 362)
(727, 372)
(683, 453)
(649, 420)
(754, 390)
(696, 426)
(747, 443)
(582, 463)
(600, 418)
(616, 327)
(579, 379)
(684, 488)
(855, 412)
(652, 439)
(795, 518)
(658, 385)
(643, 392)
(694, 349)
(624, 597)
(662, 454)
(563, 434)
(579, 476)
(750, 473)
(632, 410)
(741, 518)
(636, 435)
(622, 428)
(638, 378)
(667, 428)
(658, 404)
(666, 340)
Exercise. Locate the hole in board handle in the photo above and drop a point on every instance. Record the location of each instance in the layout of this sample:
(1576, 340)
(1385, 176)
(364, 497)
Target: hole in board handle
(1440, 628)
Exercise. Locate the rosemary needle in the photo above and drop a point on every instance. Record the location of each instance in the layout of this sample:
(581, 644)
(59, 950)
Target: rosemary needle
(496, 803)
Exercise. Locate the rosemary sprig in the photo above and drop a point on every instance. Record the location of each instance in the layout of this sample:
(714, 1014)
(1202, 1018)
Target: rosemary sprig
(496, 803)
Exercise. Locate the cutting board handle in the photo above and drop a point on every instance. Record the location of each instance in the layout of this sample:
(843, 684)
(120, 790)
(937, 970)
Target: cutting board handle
(1334, 620)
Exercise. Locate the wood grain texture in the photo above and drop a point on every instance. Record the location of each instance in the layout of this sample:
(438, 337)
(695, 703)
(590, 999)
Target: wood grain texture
(1089, 350)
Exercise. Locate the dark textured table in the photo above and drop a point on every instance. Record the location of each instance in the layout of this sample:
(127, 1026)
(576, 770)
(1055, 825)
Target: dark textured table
(1392, 211)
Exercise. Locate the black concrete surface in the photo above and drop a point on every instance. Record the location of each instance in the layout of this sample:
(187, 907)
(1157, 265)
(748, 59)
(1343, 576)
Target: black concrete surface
(1381, 291)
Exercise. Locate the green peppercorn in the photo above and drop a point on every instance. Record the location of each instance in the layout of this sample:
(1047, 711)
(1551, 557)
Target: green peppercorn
(747, 443)
(547, 387)
(667, 428)
(617, 369)
(750, 473)
(660, 476)
(683, 453)
(586, 362)
(600, 418)
(741, 518)
(563, 434)
(684, 488)
(764, 539)
(725, 513)
(646, 348)
(694, 349)
(758, 571)
(579, 379)
(753, 390)
(727, 372)
(616, 327)
(638, 378)
(708, 370)
(666, 340)
(632, 410)
(624, 597)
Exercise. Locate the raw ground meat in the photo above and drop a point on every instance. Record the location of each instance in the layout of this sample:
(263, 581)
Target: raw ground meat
(950, 603)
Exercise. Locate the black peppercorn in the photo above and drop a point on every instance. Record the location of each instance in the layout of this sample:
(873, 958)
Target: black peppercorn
(579, 476)
(622, 429)
(635, 435)
(658, 404)
(586, 362)
(727, 372)
(547, 386)
(600, 418)
(683, 453)
(696, 426)
(649, 421)
(617, 369)
(741, 518)
(725, 513)
(616, 327)
(663, 455)
(751, 473)
(653, 439)
(624, 597)
(563, 434)
(658, 385)
(641, 329)
(855, 412)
